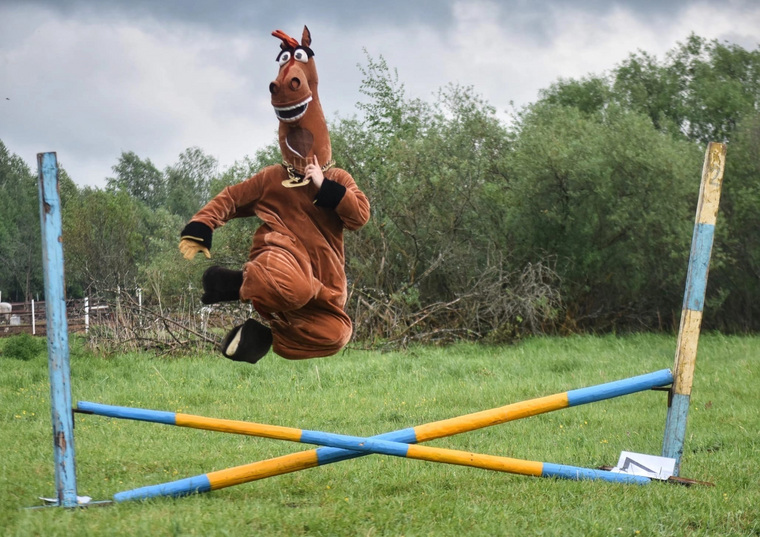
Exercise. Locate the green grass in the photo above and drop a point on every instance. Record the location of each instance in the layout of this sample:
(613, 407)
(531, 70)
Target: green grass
(366, 393)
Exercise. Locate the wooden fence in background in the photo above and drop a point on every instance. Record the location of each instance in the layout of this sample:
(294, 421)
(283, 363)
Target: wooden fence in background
(30, 317)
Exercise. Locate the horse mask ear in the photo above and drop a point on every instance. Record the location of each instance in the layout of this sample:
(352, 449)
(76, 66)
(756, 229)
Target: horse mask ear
(306, 37)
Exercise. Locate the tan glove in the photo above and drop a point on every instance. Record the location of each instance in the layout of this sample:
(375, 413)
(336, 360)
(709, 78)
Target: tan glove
(189, 248)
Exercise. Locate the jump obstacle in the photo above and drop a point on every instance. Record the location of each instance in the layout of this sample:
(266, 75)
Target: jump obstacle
(400, 443)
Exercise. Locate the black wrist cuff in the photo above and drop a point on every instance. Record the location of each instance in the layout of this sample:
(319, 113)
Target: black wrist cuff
(195, 231)
(330, 194)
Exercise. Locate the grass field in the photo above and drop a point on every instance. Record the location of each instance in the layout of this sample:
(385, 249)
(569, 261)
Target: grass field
(366, 393)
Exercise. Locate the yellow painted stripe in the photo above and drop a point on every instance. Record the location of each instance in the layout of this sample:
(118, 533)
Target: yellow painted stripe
(494, 416)
(239, 427)
(476, 460)
(712, 180)
(259, 470)
(686, 351)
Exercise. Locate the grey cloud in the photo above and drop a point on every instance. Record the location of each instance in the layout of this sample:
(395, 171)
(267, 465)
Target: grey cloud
(244, 17)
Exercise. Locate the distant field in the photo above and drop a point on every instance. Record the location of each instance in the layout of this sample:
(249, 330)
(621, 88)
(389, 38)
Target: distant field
(366, 393)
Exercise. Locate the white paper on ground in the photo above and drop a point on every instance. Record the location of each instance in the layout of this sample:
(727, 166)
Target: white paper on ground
(645, 465)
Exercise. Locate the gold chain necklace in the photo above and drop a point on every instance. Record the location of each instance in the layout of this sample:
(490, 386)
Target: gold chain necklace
(295, 179)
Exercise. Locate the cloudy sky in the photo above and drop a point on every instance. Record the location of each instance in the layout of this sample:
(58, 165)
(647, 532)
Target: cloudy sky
(90, 79)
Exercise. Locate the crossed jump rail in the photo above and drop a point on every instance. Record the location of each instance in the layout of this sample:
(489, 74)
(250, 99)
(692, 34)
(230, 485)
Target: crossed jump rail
(400, 443)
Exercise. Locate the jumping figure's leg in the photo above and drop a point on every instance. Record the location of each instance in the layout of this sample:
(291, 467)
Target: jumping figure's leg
(248, 342)
(313, 331)
(221, 285)
(275, 281)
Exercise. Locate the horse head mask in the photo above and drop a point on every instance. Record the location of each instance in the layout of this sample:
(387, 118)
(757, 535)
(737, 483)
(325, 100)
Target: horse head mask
(303, 129)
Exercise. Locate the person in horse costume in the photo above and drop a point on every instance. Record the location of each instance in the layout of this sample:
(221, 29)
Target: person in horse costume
(295, 275)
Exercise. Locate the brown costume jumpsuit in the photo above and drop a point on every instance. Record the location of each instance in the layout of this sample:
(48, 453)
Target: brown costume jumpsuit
(295, 275)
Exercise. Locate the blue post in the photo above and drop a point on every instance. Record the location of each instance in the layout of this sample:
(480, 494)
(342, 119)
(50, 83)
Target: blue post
(693, 302)
(57, 331)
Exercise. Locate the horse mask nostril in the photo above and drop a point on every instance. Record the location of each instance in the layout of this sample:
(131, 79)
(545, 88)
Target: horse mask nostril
(295, 83)
(273, 86)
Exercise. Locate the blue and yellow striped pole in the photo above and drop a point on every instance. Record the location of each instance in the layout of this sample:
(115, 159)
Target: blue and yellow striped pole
(362, 445)
(693, 302)
(430, 431)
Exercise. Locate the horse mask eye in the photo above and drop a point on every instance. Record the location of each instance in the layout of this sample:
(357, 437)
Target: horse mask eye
(283, 58)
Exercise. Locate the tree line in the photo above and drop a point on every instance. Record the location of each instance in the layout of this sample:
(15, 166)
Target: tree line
(576, 214)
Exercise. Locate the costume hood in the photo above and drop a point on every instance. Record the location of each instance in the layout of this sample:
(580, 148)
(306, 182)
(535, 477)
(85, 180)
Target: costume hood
(303, 129)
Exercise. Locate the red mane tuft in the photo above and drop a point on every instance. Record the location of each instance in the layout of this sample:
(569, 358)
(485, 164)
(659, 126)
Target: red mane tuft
(286, 39)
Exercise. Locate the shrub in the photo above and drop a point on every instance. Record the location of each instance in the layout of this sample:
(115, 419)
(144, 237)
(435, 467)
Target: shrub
(24, 347)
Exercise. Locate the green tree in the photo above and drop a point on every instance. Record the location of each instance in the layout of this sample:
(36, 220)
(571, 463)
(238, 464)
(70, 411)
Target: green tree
(733, 290)
(388, 113)
(589, 95)
(436, 178)
(721, 86)
(21, 272)
(161, 271)
(20, 240)
(140, 179)
(102, 240)
(612, 200)
(188, 181)
(702, 89)
(656, 89)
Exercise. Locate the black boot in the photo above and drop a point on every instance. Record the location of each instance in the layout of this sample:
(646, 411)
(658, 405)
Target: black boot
(248, 342)
(221, 285)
